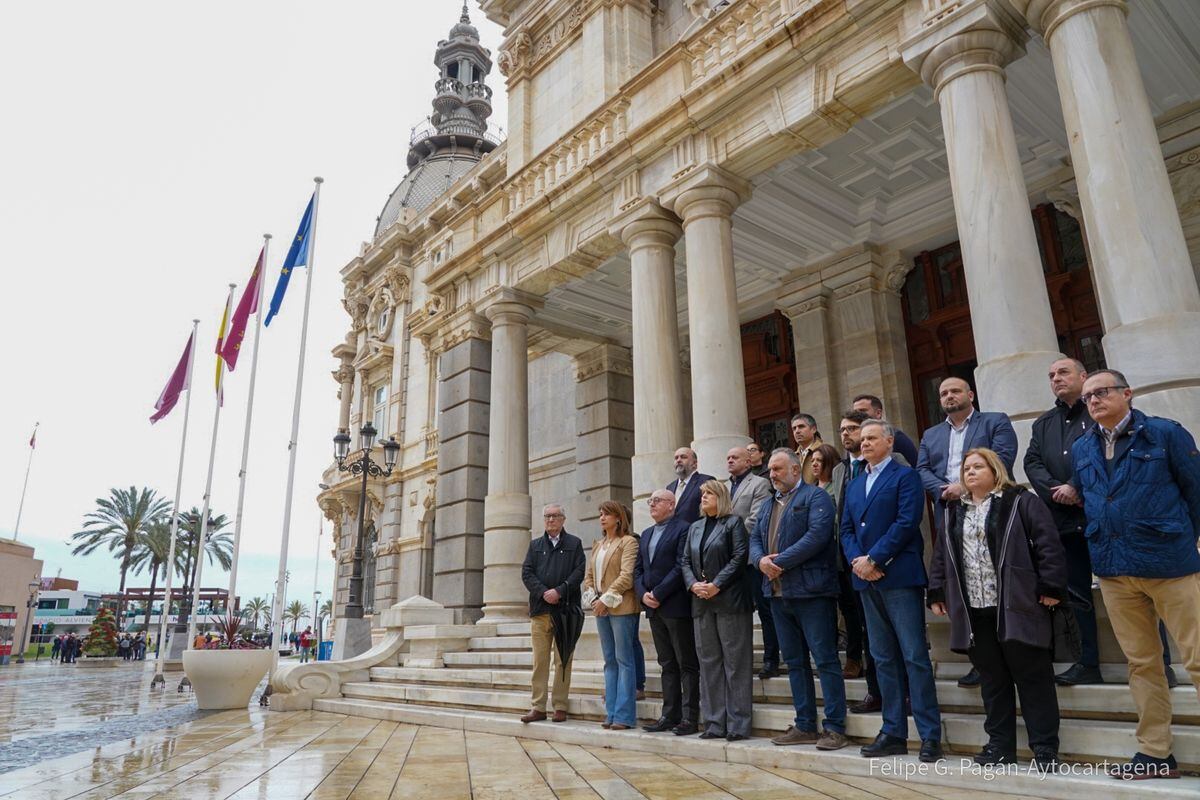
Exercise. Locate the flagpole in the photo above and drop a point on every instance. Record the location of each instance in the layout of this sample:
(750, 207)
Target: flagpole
(277, 611)
(25, 486)
(237, 525)
(162, 652)
(212, 457)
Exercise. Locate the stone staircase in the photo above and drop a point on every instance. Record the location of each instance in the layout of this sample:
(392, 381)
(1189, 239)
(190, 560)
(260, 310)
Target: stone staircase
(478, 677)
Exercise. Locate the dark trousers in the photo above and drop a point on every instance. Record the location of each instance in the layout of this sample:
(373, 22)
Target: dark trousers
(807, 627)
(1079, 579)
(675, 642)
(858, 643)
(896, 620)
(763, 605)
(1003, 665)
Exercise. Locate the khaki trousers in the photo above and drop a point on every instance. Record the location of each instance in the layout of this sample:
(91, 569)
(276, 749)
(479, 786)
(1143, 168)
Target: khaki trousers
(1134, 607)
(545, 658)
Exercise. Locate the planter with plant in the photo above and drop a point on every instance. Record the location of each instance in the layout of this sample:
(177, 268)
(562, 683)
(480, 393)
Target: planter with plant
(225, 671)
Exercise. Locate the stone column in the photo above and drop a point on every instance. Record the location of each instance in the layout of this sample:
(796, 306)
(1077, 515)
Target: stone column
(1147, 289)
(604, 430)
(962, 56)
(705, 201)
(463, 399)
(658, 402)
(507, 516)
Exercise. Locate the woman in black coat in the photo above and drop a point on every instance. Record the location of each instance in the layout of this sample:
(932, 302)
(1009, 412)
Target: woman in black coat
(713, 565)
(997, 571)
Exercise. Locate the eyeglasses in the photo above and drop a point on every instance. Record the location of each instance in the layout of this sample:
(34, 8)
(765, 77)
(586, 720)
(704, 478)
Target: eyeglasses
(1099, 393)
(849, 428)
(653, 501)
(554, 516)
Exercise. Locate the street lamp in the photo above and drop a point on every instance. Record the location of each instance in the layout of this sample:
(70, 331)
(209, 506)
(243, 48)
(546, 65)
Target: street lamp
(317, 620)
(34, 585)
(367, 468)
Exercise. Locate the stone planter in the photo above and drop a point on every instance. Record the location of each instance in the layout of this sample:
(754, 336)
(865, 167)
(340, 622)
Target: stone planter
(98, 662)
(225, 679)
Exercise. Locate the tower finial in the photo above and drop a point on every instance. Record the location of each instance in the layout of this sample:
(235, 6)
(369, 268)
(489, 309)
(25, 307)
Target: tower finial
(465, 16)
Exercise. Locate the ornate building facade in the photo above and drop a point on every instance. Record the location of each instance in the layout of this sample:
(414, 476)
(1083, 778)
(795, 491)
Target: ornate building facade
(709, 216)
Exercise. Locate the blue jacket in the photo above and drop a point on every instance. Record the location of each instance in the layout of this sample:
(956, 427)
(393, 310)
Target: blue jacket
(1143, 520)
(663, 575)
(886, 526)
(990, 429)
(687, 508)
(807, 545)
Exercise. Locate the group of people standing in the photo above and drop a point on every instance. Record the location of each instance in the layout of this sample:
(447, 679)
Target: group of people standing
(132, 648)
(806, 533)
(66, 648)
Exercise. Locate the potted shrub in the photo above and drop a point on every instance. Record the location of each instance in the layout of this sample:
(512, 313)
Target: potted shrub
(100, 644)
(225, 671)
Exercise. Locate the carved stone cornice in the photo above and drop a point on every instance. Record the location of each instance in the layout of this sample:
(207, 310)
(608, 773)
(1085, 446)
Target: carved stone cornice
(964, 36)
(536, 41)
(605, 358)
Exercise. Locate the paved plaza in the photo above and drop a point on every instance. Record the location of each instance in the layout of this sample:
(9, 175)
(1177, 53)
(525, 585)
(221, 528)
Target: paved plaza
(71, 733)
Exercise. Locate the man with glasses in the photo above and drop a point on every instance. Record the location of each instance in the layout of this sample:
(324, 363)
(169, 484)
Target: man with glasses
(872, 406)
(658, 582)
(1140, 480)
(553, 573)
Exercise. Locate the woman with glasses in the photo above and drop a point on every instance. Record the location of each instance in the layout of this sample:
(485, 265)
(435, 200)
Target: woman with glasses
(713, 561)
(608, 588)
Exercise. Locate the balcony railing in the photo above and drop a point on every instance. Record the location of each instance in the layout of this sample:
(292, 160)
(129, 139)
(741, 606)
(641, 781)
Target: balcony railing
(425, 129)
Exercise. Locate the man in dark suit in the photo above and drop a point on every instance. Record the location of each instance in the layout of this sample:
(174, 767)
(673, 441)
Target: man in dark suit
(686, 486)
(881, 537)
(659, 585)
(943, 446)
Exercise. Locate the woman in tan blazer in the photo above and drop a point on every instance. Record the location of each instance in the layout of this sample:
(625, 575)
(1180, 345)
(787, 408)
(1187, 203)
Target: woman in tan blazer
(608, 588)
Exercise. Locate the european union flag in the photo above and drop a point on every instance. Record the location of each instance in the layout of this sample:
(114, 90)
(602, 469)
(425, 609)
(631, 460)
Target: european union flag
(297, 257)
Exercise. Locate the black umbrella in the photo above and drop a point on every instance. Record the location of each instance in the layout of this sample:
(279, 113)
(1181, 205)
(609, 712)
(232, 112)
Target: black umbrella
(567, 619)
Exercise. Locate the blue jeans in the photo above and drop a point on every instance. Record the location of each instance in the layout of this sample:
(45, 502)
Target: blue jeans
(805, 626)
(617, 637)
(896, 629)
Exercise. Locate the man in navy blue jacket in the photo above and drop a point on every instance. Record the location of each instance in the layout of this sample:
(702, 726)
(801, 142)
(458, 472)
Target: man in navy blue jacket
(1140, 481)
(881, 537)
(794, 546)
(658, 581)
(687, 483)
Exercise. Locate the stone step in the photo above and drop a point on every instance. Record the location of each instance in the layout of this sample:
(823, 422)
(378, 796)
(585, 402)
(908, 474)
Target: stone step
(499, 658)
(1084, 740)
(512, 628)
(953, 774)
(492, 643)
(1108, 701)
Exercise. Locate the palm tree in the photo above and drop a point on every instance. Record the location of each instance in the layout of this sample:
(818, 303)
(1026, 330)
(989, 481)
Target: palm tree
(256, 608)
(116, 523)
(217, 546)
(294, 612)
(326, 610)
(152, 551)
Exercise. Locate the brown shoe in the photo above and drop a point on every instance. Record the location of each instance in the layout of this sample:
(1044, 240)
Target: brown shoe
(832, 740)
(560, 716)
(853, 669)
(616, 726)
(533, 716)
(794, 735)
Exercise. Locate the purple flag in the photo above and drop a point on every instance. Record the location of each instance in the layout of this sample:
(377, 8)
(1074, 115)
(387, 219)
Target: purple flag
(177, 383)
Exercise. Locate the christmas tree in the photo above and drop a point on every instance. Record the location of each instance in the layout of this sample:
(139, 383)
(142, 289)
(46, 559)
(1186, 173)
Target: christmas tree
(102, 635)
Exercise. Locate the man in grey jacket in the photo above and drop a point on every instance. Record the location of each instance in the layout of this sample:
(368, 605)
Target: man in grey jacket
(749, 491)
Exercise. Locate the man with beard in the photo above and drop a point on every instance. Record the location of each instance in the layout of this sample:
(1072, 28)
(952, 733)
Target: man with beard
(943, 445)
(686, 485)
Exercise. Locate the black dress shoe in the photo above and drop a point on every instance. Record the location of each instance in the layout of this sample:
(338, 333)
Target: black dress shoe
(1079, 675)
(994, 754)
(711, 735)
(1172, 680)
(769, 670)
(868, 705)
(970, 680)
(931, 751)
(885, 745)
(736, 737)
(663, 724)
(1045, 759)
(684, 728)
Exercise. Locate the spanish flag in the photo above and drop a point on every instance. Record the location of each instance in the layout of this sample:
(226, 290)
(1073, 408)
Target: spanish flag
(221, 343)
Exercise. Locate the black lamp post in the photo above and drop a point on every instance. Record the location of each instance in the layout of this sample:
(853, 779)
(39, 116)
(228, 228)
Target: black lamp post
(33, 591)
(367, 468)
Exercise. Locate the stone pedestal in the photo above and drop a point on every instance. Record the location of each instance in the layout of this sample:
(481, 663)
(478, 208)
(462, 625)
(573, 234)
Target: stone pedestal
(353, 638)
(963, 57)
(705, 201)
(658, 402)
(1149, 300)
(507, 515)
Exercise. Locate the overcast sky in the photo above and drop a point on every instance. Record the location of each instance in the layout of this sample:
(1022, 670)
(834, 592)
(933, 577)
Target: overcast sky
(146, 147)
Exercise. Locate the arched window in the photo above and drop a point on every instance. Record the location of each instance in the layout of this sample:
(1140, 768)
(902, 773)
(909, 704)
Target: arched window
(368, 602)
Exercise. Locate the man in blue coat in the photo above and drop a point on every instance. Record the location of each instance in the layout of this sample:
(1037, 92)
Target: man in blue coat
(881, 537)
(1140, 481)
(658, 581)
(943, 445)
(795, 548)
(687, 483)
